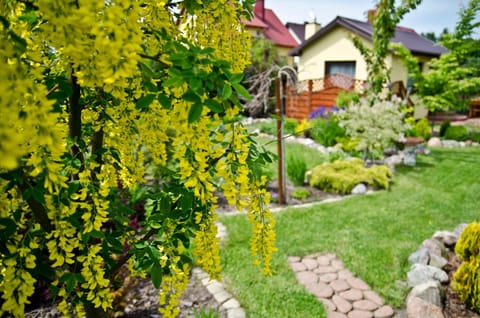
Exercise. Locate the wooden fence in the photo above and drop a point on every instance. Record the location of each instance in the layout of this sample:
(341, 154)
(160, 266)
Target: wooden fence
(308, 95)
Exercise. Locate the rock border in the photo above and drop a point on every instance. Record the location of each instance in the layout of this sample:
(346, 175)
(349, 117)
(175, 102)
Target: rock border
(426, 274)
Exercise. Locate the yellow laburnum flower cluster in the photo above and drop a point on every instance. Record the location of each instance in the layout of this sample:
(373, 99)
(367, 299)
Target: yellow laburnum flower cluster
(97, 48)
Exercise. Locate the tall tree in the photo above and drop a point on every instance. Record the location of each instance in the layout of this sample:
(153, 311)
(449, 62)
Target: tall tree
(454, 78)
(107, 104)
(385, 20)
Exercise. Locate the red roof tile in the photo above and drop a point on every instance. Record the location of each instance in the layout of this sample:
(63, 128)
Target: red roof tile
(256, 23)
(277, 31)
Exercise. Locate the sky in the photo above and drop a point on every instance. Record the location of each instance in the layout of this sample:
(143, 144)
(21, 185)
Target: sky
(429, 16)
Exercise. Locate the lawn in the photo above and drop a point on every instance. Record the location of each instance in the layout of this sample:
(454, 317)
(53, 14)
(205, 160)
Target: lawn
(372, 234)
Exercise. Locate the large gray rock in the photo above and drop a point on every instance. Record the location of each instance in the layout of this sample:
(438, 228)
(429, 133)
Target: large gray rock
(446, 237)
(451, 144)
(420, 274)
(434, 247)
(434, 142)
(419, 308)
(429, 291)
(437, 261)
(422, 256)
(359, 189)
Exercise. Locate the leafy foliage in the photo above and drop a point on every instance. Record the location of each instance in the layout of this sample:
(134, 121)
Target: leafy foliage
(109, 105)
(384, 23)
(466, 280)
(342, 176)
(421, 128)
(296, 169)
(454, 78)
(375, 127)
(326, 131)
(459, 133)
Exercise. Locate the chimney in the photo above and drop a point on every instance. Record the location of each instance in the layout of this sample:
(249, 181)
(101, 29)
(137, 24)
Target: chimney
(311, 27)
(371, 14)
(259, 9)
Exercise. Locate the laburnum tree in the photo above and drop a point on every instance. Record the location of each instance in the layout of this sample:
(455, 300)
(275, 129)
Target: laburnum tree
(108, 105)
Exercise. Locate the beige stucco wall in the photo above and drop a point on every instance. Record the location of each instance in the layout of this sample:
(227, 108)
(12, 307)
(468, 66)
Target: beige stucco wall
(334, 46)
(338, 46)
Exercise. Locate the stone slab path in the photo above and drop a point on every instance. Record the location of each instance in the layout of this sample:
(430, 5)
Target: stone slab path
(343, 294)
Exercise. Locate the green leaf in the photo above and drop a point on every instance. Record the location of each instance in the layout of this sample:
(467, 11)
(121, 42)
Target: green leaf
(191, 96)
(214, 106)
(226, 92)
(236, 78)
(242, 91)
(144, 102)
(164, 101)
(7, 228)
(195, 112)
(196, 85)
(156, 274)
(141, 245)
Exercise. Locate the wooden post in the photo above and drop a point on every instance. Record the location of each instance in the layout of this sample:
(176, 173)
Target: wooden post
(280, 149)
(309, 100)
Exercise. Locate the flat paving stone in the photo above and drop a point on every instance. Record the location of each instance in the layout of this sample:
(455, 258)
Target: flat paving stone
(236, 313)
(320, 290)
(352, 294)
(344, 274)
(366, 305)
(231, 304)
(357, 283)
(337, 264)
(222, 296)
(336, 315)
(342, 304)
(339, 285)
(324, 270)
(310, 263)
(384, 312)
(323, 260)
(360, 314)
(373, 296)
(298, 267)
(327, 278)
(294, 259)
(307, 278)
(328, 304)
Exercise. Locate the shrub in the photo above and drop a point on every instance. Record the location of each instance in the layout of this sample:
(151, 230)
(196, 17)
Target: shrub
(443, 127)
(300, 193)
(466, 280)
(345, 98)
(474, 136)
(326, 131)
(296, 168)
(422, 129)
(303, 127)
(459, 133)
(376, 127)
(269, 128)
(343, 176)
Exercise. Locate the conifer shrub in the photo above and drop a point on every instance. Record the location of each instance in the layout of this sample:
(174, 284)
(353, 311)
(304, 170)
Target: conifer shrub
(342, 176)
(422, 129)
(443, 127)
(458, 133)
(466, 280)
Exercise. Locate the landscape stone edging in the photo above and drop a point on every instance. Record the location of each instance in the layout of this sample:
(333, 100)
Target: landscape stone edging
(425, 277)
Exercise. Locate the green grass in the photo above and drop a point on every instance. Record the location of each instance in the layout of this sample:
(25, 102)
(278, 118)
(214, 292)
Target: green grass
(372, 234)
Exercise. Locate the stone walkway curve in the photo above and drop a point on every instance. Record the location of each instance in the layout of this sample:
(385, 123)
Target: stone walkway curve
(343, 294)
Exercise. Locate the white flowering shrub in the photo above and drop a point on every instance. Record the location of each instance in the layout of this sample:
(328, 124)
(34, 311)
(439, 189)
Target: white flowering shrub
(376, 127)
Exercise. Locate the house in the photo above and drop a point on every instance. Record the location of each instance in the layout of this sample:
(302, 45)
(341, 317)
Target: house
(265, 23)
(331, 51)
(328, 62)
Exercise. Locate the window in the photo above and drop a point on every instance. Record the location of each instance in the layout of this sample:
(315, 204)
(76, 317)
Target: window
(347, 68)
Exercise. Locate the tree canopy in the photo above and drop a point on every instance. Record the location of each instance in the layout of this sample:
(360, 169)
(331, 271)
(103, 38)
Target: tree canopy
(120, 124)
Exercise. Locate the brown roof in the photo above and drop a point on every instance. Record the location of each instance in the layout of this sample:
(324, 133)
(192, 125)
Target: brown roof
(416, 43)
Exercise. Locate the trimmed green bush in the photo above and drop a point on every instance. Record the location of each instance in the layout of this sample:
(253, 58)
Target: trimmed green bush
(422, 129)
(466, 280)
(345, 98)
(296, 169)
(289, 127)
(474, 136)
(458, 133)
(343, 176)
